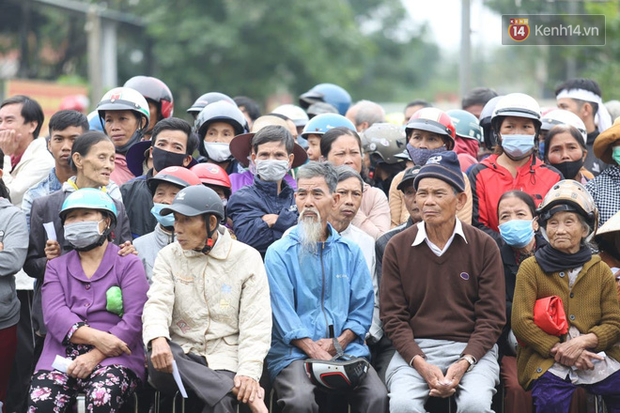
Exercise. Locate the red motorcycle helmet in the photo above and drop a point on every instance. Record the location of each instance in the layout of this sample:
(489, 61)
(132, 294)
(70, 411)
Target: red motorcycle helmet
(175, 175)
(156, 90)
(433, 120)
(212, 174)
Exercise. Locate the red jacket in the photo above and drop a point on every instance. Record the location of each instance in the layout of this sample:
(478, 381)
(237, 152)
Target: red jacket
(489, 181)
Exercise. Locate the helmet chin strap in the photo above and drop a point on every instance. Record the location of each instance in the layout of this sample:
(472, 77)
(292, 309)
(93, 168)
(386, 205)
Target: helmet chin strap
(209, 241)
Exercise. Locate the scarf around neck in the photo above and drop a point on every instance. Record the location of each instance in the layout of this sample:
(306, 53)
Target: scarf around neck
(552, 260)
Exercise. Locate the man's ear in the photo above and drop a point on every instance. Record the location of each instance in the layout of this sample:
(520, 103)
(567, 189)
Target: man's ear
(585, 153)
(291, 157)
(213, 222)
(32, 126)
(253, 157)
(586, 109)
(461, 200)
(336, 199)
(187, 160)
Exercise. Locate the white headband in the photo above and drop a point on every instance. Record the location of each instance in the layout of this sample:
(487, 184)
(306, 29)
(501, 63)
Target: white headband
(602, 118)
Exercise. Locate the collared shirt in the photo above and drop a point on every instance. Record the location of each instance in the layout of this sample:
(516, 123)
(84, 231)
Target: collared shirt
(421, 236)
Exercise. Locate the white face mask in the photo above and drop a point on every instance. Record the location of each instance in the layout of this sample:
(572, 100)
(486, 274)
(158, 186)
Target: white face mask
(84, 235)
(217, 151)
(271, 170)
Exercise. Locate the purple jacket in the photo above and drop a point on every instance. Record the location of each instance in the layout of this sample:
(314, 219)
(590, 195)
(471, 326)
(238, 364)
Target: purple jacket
(239, 180)
(70, 297)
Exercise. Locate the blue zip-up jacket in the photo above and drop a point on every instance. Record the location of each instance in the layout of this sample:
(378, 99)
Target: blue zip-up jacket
(310, 292)
(247, 206)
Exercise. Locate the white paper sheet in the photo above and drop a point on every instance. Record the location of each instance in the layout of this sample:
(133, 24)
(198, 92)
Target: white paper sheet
(177, 379)
(61, 363)
(50, 231)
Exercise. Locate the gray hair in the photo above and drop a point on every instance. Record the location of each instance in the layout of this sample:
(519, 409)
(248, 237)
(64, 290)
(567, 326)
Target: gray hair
(345, 172)
(273, 133)
(324, 170)
(368, 111)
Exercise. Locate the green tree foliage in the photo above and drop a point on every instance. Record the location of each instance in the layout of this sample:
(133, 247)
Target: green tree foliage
(258, 48)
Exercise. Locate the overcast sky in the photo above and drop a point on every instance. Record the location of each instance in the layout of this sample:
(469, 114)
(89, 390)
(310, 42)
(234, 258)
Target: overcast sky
(444, 17)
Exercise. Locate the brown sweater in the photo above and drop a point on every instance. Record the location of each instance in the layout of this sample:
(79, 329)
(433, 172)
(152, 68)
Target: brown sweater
(591, 306)
(459, 296)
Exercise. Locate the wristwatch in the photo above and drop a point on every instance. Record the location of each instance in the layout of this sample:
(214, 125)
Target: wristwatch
(470, 359)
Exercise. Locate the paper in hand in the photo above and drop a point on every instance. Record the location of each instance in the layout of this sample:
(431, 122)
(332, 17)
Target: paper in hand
(61, 363)
(177, 379)
(50, 231)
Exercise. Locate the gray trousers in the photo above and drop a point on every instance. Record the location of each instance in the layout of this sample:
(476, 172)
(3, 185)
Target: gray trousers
(474, 394)
(211, 387)
(295, 392)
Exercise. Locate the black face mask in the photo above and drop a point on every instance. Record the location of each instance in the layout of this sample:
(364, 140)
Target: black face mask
(163, 159)
(569, 169)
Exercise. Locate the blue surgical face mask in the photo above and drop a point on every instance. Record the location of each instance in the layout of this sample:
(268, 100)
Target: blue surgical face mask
(164, 220)
(517, 233)
(518, 147)
(615, 154)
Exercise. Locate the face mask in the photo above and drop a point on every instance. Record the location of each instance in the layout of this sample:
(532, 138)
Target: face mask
(569, 169)
(616, 154)
(421, 156)
(517, 147)
(252, 167)
(517, 233)
(163, 159)
(84, 236)
(164, 220)
(224, 202)
(217, 151)
(271, 170)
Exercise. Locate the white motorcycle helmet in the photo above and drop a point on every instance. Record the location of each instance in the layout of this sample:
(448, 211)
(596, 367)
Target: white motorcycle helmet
(518, 105)
(564, 117)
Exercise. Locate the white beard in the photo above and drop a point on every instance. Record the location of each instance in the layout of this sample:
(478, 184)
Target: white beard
(310, 230)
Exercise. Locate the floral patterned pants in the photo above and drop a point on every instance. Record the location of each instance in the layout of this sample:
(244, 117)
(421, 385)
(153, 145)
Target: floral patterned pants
(107, 388)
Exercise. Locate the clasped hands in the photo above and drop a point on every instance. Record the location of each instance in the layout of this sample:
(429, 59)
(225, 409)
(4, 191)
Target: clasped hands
(441, 385)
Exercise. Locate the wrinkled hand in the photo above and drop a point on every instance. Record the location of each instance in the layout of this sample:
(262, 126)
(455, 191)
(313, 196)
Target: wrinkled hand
(455, 373)
(9, 141)
(568, 352)
(437, 383)
(311, 348)
(161, 355)
(52, 250)
(84, 365)
(270, 219)
(327, 344)
(585, 360)
(127, 248)
(246, 389)
(110, 345)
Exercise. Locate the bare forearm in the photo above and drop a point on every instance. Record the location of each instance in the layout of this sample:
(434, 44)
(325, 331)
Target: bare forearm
(345, 338)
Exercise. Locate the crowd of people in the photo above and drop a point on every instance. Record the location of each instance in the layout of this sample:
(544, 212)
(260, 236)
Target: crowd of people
(313, 258)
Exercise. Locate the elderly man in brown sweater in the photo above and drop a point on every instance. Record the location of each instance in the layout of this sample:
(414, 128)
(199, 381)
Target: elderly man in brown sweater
(442, 300)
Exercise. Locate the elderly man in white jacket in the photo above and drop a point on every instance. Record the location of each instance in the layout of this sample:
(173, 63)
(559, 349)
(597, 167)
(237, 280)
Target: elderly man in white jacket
(27, 160)
(208, 309)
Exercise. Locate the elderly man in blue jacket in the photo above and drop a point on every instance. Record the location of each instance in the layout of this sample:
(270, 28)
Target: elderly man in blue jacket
(262, 211)
(320, 290)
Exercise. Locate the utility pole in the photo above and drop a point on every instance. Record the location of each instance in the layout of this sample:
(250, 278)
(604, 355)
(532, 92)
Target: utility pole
(93, 29)
(465, 55)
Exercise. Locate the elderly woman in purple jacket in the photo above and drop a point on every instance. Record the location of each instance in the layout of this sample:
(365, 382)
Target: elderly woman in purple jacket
(92, 306)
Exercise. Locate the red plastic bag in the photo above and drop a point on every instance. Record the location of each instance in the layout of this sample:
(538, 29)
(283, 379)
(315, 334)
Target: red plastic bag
(549, 315)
